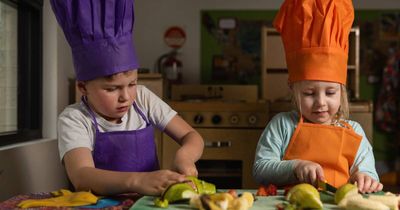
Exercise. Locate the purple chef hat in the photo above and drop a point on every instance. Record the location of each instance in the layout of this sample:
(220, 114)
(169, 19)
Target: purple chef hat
(100, 35)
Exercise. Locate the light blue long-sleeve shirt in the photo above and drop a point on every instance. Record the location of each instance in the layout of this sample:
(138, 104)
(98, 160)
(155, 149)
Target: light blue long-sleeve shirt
(269, 166)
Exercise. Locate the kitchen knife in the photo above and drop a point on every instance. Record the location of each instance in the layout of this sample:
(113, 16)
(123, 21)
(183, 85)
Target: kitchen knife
(324, 185)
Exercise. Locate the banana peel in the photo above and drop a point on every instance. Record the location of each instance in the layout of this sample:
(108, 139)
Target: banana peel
(184, 191)
(64, 198)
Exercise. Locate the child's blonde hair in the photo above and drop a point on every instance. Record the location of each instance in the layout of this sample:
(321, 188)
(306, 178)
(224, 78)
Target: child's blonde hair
(343, 112)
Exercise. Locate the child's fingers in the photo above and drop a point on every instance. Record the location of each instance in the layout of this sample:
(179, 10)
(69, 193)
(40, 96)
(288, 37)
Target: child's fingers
(320, 174)
(313, 178)
(374, 186)
(367, 184)
(360, 182)
(380, 187)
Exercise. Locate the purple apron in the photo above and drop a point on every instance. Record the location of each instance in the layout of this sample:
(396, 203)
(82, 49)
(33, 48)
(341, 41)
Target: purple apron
(133, 151)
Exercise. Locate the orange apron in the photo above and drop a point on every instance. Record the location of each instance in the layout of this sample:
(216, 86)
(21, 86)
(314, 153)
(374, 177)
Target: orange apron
(333, 147)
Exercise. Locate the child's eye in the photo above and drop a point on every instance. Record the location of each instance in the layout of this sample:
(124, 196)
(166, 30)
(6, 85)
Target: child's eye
(308, 93)
(329, 93)
(132, 84)
(110, 89)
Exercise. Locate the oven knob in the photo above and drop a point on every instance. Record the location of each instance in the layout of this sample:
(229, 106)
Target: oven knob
(234, 119)
(216, 119)
(252, 119)
(198, 119)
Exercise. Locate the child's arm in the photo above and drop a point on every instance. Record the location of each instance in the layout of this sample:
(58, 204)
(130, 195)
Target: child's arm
(269, 168)
(191, 142)
(363, 169)
(84, 176)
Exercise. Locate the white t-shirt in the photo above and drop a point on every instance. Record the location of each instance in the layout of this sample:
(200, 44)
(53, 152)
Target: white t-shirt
(76, 127)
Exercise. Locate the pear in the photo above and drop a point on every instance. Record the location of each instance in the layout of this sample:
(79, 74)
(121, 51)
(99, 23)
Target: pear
(304, 196)
(178, 191)
(222, 201)
(345, 190)
(389, 200)
(359, 203)
(184, 191)
(202, 187)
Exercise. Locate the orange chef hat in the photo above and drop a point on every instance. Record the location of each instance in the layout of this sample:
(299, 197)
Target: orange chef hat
(315, 36)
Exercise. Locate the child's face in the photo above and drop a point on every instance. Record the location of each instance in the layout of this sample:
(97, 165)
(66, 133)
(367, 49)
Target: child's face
(319, 101)
(111, 97)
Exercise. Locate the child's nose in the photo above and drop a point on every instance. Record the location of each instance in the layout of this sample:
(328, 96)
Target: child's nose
(124, 95)
(320, 100)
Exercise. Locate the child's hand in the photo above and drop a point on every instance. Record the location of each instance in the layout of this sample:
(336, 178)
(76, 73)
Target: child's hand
(185, 167)
(365, 183)
(308, 172)
(154, 183)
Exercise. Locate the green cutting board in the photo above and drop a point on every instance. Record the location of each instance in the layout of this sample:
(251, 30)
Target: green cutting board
(262, 202)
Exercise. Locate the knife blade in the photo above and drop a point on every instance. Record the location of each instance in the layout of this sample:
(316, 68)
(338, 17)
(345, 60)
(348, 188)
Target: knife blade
(324, 185)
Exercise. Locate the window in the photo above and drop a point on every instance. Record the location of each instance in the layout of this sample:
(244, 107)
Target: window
(20, 70)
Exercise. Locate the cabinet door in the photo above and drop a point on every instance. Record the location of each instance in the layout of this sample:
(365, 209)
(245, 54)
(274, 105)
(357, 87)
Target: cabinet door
(222, 144)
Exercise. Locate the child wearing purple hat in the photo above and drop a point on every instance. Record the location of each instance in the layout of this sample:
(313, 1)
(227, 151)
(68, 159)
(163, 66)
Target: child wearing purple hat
(106, 142)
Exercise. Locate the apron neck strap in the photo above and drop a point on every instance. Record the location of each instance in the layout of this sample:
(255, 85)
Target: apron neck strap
(141, 113)
(84, 99)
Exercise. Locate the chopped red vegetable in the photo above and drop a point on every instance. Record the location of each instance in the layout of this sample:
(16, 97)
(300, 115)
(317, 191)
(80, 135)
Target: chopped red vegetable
(267, 190)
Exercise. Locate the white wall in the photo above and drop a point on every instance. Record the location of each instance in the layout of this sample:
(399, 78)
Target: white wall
(57, 68)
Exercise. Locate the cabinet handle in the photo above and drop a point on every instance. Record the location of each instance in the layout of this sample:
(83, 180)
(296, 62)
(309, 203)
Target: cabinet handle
(217, 144)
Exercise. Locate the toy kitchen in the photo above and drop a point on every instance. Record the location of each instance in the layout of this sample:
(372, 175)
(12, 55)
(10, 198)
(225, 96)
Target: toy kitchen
(231, 118)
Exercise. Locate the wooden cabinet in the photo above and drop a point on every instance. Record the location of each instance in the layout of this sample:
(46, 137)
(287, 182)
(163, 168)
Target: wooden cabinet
(274, 71)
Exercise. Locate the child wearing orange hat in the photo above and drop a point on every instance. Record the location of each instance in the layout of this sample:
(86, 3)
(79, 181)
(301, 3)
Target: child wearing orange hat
(106, 141)
(316, 141)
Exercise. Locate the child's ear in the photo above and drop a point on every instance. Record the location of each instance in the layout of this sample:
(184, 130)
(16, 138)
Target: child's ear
(82, 87)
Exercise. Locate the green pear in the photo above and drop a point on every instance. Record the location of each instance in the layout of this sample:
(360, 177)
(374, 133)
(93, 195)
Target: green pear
(345, 190)
(178, 191)
(202, 187)
(184, 191)
(304, 196)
